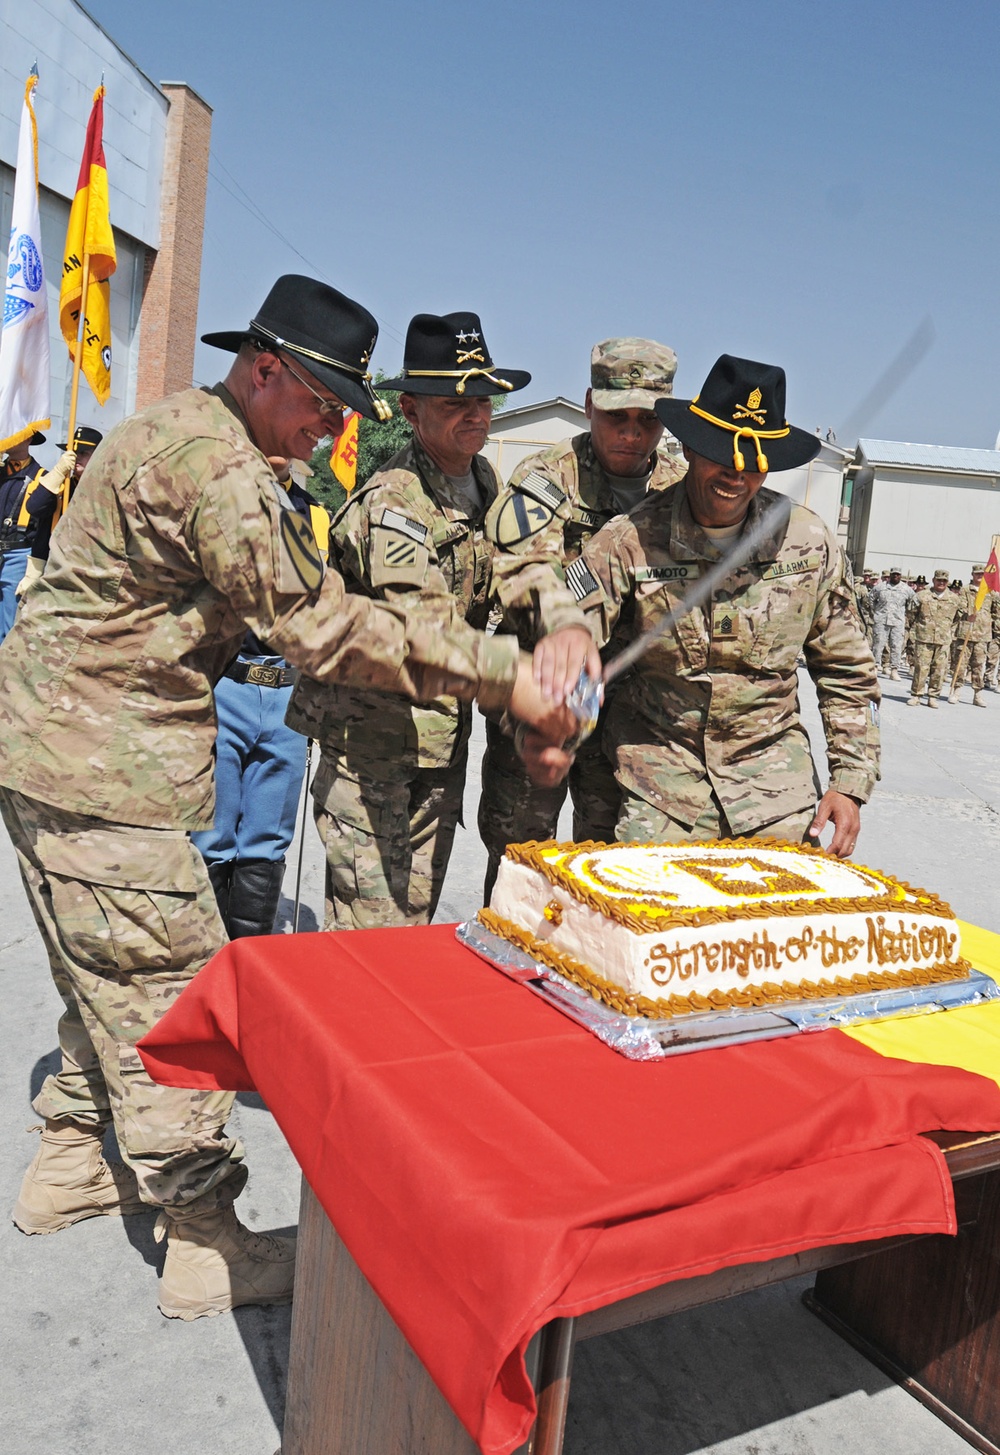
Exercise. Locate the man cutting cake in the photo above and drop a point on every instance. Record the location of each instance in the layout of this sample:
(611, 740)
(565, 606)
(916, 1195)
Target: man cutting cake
(705, 732)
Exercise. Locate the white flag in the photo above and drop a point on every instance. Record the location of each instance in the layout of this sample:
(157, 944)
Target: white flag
(24, 339)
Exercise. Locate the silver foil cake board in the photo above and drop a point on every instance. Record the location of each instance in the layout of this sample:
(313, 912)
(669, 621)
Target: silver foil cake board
(642, 1039)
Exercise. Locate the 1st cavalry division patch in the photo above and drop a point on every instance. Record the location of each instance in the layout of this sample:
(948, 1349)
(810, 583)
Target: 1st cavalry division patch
(301, 550)
(532, 503)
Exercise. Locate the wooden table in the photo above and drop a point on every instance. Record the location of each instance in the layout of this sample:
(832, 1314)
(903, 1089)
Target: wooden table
(926, 1310)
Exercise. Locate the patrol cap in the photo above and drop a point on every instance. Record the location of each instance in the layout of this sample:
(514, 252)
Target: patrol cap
(445, 355)
(895, 571)
(738, 419)
(631, 373)
(84, 438)
(940, 575)
(980, 569)
(331, 334)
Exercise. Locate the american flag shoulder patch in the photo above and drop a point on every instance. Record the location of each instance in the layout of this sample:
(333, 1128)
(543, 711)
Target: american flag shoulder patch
(580, 579)
(412, 528)
(543, 490)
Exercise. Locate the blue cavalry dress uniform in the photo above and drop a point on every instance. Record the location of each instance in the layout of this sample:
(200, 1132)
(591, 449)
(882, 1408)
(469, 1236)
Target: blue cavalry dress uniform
(19, 476)
(259, 766)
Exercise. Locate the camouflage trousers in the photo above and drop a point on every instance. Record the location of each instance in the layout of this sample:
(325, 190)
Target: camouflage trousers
(992, 663)
(128, 918)
(387, 841)
(975, 664)
(893, 637)
(640, 822)
(931, 663)
(513, 810)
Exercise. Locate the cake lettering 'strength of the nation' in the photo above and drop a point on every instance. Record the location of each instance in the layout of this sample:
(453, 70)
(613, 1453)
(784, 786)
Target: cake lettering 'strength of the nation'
(666, 929)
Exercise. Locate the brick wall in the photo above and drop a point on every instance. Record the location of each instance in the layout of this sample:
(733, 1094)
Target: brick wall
(172, 276)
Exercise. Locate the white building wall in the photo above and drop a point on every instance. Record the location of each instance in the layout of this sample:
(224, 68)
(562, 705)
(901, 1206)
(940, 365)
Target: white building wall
(819, 485)
(922, 522)
(72, 52)
(515, 435)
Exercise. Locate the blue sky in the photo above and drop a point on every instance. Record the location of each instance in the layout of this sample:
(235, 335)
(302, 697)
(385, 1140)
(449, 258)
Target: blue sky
(802, 183)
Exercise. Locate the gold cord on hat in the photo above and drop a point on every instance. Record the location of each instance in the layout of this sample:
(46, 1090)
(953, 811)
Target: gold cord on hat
(383, 411)
(739, 462)
(463, 378)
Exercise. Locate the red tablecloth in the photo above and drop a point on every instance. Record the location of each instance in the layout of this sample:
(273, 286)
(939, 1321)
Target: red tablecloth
(489, 1164)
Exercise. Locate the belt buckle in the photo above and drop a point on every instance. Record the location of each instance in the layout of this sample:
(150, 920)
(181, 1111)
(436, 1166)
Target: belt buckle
(262, 675)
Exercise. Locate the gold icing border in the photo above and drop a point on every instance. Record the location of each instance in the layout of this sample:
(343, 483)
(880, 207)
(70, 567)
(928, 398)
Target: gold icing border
(766, 993)
(529, 854)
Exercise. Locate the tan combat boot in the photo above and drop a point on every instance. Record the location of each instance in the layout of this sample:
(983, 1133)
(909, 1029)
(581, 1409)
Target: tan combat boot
(953, 697)
(214, 1264)
(894, 675)
(69, 1180)
(933, 702)
(978, 700)
(913, 701)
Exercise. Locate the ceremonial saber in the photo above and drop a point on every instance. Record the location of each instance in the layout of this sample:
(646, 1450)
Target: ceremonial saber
(587, 696)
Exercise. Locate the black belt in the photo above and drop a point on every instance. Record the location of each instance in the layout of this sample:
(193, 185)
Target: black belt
(16, 542)
(261, 675)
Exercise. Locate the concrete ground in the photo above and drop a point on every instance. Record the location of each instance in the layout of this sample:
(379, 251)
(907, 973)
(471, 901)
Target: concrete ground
(90, 1366)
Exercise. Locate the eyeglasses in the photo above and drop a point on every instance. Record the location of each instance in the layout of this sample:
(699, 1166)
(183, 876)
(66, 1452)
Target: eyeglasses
(328, 408)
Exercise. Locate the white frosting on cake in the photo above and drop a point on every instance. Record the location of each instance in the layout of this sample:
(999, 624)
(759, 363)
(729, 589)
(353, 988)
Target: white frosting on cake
(663, 920)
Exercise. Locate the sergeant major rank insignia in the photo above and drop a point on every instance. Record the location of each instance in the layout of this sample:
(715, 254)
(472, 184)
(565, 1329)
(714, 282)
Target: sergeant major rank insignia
(529, 507)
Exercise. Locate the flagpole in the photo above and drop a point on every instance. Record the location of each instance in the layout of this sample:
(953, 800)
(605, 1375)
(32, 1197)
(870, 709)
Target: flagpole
(77, 366)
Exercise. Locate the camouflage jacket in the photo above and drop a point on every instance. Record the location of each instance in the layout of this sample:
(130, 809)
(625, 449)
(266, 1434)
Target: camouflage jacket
(980, 623)
(555, 501)
(714, 704)
(935, 616)
(889, 603)
(405, 533)
(179, 539)
(994, 609)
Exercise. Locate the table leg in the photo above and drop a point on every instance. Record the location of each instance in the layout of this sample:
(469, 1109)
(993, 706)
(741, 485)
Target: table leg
(555, 1367)
(928, 1313)
(355, 1387)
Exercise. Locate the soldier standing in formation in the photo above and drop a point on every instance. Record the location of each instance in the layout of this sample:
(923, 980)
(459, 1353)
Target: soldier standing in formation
(705, 730)
(993, 646)
(975, 628)
(388, 790)
(20, 475)
(889, 603)
(45, 503)
(555, 502)
(179, 539)
(933, 625)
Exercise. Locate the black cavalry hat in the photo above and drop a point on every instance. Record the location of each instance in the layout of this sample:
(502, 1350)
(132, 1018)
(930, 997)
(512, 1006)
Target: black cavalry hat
(447, 355)
(84, 438)
(738, 419)
(331, 334)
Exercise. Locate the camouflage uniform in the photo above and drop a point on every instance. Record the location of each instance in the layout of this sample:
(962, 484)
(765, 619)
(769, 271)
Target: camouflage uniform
(889, 605)
(993, 646)
(388, 790)
(178, 540)
(553, 504)
(705, 730)
(980, 627)
(932, 631)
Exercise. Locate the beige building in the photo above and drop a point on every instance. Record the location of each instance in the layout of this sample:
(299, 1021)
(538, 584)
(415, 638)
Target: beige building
(517, 433)
(921, 507)
(156, 144)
